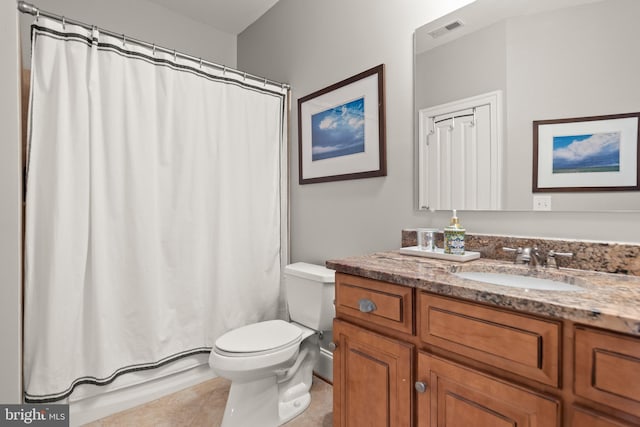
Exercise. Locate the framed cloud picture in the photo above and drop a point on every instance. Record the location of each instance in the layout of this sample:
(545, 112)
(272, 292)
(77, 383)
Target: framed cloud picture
(341, 130)
(598, 153)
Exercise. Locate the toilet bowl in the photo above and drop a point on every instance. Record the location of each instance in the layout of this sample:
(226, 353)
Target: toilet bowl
(270, 364)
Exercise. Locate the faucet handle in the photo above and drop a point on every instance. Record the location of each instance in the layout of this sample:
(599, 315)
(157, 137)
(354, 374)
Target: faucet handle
(561, 254)
(519, 250)
(552, 260)
(518, 253)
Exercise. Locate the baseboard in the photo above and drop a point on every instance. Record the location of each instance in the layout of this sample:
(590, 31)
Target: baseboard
(96, 407)
(324, 367)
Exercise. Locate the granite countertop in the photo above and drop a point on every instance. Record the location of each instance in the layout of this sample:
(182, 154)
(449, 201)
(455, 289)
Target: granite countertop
(610, 301)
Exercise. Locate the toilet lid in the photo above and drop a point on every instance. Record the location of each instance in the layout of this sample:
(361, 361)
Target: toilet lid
(260, 336)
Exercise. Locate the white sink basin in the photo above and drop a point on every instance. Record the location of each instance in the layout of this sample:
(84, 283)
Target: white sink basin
(518, 281)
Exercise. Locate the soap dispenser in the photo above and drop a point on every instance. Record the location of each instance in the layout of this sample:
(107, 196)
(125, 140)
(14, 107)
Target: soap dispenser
(454, 237)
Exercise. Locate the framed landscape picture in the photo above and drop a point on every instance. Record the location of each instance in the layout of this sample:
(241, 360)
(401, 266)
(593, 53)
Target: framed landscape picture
(598, 153)
(341, 130)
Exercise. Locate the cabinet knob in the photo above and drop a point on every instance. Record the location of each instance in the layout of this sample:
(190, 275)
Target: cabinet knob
(332, 346)
(420, 387)
(366, 305)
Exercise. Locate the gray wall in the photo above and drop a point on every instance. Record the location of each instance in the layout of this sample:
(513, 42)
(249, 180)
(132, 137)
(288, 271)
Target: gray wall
(10, 212)
(462, 68)
(573, 62)
(314, 44)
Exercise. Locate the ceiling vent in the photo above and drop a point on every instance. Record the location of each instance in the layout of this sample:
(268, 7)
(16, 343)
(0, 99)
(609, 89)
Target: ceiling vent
(440, 31)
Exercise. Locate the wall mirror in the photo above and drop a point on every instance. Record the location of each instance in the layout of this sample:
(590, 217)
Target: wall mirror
(547, 60)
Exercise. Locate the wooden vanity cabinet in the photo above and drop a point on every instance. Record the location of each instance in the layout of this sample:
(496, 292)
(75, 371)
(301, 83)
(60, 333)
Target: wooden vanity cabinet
(408, 357)
(372, 371)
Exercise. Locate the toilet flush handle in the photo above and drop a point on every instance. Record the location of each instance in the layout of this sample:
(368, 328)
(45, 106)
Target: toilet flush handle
(366, 305)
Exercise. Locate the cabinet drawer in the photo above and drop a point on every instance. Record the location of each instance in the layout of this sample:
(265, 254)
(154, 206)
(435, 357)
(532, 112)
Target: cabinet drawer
(525, 345)
(375, 302)
(607, 368)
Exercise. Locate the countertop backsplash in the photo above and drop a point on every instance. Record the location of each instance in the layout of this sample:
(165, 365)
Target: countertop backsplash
(620, 258)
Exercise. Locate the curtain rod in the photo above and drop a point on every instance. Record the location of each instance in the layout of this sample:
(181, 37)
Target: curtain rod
(29, 8)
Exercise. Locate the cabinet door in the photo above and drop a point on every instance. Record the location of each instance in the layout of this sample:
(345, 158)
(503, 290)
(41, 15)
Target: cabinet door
(582, 417)
(607, 369)
(457, 396)
(372, 381)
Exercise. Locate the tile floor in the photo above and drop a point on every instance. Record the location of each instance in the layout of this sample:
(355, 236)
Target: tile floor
(203, 405)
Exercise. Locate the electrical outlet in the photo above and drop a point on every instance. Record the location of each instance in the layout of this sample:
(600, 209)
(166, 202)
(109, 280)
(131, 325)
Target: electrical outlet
(541, 203)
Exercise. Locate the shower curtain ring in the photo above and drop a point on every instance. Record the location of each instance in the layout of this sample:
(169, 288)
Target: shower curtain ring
(37, 15)
(124, 40)
(200, 63)
(265, 82)
(64, 23)
(224, 70)
(175, 58)
(154, 50)
(244, 77)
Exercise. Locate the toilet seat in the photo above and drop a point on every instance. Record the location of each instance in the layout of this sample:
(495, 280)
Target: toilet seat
(258, 338)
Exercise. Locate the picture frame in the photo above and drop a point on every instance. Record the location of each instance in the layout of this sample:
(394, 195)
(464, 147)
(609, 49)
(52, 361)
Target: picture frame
(583, 154)
(341, 130)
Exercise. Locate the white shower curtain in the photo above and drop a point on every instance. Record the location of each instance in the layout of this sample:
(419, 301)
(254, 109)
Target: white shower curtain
(154, 211)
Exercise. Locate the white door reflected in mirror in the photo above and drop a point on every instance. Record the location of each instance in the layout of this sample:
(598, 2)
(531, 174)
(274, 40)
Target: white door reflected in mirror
(460, 154)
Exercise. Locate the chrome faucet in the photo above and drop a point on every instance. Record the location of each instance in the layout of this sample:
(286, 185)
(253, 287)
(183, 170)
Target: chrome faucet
(534, 258)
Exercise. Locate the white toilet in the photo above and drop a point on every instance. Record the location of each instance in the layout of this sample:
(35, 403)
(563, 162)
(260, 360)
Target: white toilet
(270, 364)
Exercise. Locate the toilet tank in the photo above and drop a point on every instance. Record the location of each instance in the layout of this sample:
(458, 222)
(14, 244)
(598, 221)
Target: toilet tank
(310, 291)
